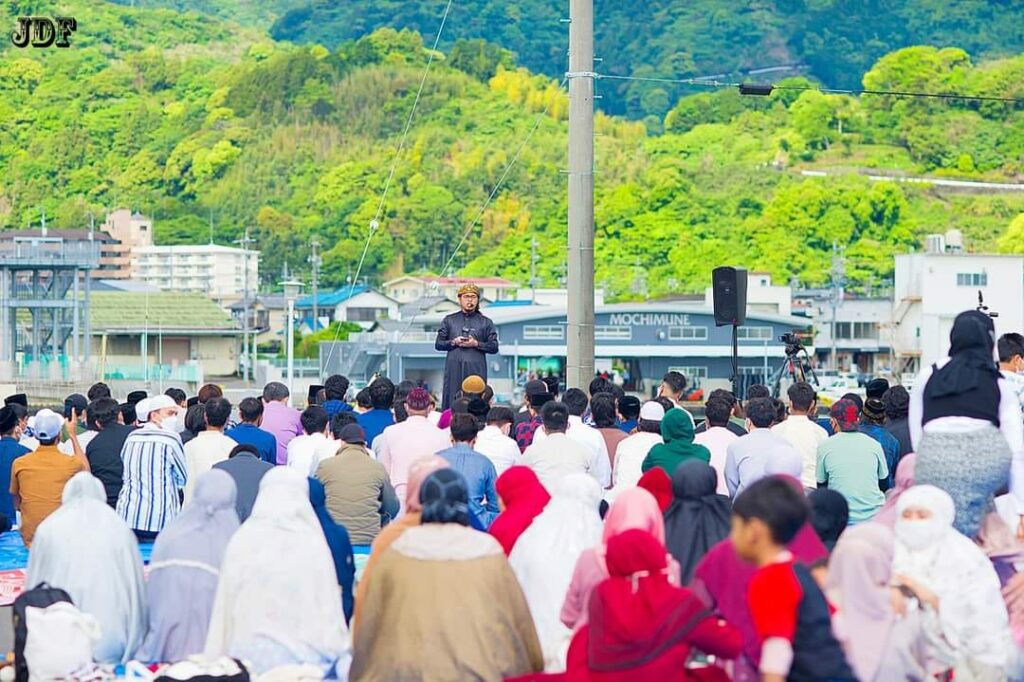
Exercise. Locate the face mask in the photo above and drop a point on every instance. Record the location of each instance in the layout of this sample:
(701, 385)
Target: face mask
(919, 534)
(170, 424)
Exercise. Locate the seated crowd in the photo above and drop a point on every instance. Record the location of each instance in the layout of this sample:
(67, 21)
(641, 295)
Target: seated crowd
(587, 536)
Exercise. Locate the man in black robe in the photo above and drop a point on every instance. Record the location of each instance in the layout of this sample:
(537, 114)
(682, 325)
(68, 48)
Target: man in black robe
(467, 336)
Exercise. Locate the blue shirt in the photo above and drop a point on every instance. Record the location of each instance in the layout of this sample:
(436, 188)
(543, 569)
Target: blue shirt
(333, 407)
(263, 441)
(480, 476)
(627, 426)
(374, 422)
(890, 448)
(10, 450)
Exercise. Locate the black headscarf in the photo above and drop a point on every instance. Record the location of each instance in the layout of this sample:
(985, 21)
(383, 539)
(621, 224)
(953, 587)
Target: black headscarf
(967, 385)
(444, 495)
(971, 343)
(698, 518)
(830, 513)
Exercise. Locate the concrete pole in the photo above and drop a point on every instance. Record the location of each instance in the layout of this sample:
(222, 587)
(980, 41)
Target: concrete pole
(580, 361)
(291, 350)
(314, 260)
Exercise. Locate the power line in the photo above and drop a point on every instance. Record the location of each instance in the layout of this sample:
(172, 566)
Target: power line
(699, 82)
(901, 93)
(765, 89)
(375, 223)
(501, 180)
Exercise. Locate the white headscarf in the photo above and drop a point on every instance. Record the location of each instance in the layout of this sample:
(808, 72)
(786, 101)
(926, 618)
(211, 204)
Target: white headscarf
(971, 608)
(278, 600)
(546, 553)
(86, 549)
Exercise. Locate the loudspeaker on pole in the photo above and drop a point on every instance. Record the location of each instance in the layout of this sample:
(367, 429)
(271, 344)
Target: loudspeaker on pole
(729, 289)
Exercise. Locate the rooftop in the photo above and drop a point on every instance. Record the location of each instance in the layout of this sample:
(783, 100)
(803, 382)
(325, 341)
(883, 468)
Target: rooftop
(164, 311)
(328, 299)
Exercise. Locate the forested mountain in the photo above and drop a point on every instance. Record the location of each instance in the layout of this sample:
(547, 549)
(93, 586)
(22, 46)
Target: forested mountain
(190, 119)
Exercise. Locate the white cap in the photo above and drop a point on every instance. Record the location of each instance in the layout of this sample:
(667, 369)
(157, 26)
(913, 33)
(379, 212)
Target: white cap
(652, 411)
(148, 405)
(48, 425)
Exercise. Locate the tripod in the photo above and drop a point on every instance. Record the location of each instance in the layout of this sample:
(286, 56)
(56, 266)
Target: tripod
(797, 366)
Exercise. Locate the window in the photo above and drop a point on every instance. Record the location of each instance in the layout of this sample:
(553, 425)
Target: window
(687, 333)
(972, 279)
(754, 333)
(752, 370)
(603, 332)
(540, 332)
(693, 375)
(856, 330)
(364, 314)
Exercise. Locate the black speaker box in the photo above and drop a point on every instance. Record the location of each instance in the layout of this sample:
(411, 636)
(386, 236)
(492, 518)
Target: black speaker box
(730, 294)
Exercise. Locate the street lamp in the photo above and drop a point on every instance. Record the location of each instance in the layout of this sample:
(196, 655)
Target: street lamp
(291, 292)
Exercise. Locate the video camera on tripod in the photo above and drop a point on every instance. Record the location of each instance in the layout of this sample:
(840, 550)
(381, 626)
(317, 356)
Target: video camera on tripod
(797, 365)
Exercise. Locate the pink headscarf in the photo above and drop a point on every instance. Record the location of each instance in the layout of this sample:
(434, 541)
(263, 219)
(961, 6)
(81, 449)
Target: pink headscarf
(633, 508)
(418, 471)
(904, 479)
(858, 582)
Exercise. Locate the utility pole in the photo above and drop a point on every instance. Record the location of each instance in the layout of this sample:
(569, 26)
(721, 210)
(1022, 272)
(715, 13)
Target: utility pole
(533, 271)
(580, 360)
(315, 261)
(838, 272)
(244, 243)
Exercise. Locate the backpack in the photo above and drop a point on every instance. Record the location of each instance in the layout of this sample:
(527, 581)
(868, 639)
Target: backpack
(40, 596)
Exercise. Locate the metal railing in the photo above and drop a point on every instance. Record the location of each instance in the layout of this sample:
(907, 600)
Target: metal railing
(81, 253)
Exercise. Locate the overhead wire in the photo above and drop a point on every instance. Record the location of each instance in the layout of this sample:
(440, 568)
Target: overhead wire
(493, 193)
(375, 222)
(767, 88)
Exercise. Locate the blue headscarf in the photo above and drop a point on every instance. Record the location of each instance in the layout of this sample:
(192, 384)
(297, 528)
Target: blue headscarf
(339, 543)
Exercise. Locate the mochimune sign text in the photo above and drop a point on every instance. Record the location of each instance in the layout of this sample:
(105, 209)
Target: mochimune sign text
(649, 320)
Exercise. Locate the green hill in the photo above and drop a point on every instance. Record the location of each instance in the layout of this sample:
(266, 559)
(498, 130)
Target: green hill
(195, 120)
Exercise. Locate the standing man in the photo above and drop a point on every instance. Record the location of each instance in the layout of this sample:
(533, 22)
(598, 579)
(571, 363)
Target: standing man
(467, 336)
(280, 420)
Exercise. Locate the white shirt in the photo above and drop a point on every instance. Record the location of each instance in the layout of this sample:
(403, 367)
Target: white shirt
(307, 451)
(593, 440)
(717, 440)
(629, 457)
(498, 448)
(83, 440)
(201, 453)
(557, 456)
(1016, 382)
(1010, 425)
(804, 435)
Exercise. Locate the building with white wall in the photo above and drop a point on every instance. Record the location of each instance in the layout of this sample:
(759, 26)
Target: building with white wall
(220, 272)
(359, 304)
(933, 287)
(408, 288)
(863, 340)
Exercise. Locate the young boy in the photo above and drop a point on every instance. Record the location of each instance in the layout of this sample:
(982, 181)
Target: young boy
(790, 614)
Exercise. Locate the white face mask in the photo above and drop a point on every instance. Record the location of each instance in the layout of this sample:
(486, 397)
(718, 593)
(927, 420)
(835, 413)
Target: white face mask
(170, 424)
(919, 534)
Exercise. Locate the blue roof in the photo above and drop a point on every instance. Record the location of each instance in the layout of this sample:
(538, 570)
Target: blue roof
(329, 299)
(508, 304)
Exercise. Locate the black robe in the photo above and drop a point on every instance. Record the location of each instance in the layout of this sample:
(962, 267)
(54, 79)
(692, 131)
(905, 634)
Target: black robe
(464, 362)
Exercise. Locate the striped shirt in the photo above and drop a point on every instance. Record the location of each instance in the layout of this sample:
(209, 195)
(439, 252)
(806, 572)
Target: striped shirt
(154, 470)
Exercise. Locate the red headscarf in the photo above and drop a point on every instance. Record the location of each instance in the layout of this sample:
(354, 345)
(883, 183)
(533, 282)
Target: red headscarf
(658, 483)
(637, 615)
(524, 498)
